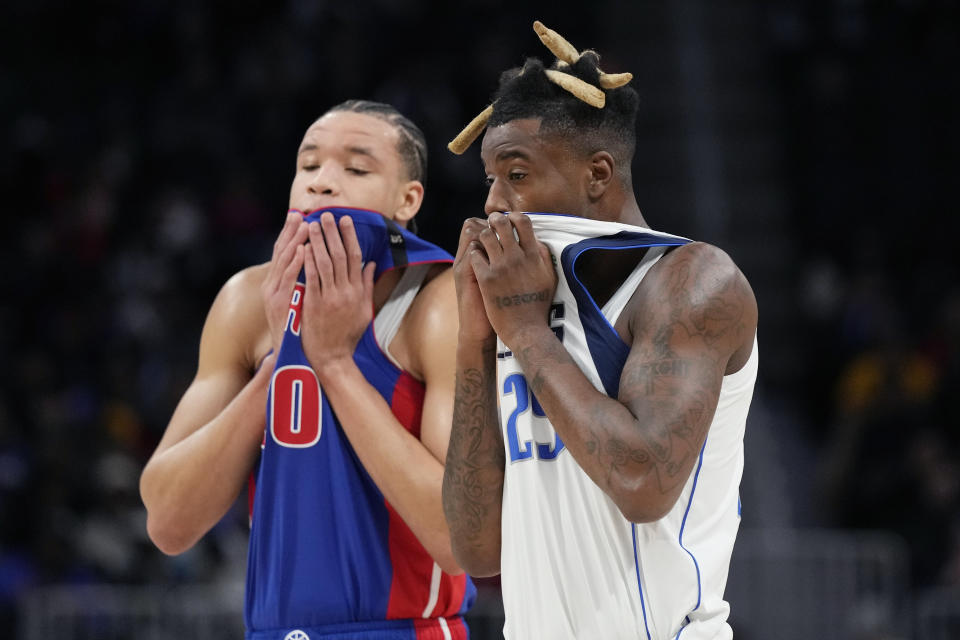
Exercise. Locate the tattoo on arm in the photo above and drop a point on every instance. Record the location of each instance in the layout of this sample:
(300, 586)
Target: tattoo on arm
(522, 298)
(473, 477)
(672, 381)
(548, 356)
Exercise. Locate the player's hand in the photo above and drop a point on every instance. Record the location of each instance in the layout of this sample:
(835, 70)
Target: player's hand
(515, 274)
(285, 265)
(338, 301)
(474, 325)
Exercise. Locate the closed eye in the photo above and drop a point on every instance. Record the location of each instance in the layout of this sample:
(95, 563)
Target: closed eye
(357, 172)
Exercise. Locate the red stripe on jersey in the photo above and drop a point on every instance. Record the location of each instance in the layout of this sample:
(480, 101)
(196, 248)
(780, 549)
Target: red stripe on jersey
(431, 629)
(412, 565)
(412, 570)
(407, 402)
(452, 590)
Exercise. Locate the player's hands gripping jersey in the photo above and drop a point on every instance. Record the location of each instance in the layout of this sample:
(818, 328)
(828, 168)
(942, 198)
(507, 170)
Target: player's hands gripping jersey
(338, 301)
(516, 276)
(285, 264)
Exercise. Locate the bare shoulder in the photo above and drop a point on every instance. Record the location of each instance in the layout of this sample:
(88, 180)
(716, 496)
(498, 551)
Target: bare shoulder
(240, 296)
(697, 290)
(237, 321)
(437, 298)
(432, 323)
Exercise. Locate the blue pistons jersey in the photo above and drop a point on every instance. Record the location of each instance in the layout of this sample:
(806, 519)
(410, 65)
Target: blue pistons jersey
(329, 556)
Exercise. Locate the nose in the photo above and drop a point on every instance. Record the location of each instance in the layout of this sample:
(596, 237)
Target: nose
(496, 199)
(324, 182)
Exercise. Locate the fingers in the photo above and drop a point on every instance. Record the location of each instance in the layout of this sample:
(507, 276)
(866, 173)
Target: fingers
(336, 252)
(491, 243)
(547, 258)
(367, 276)
(284, 255)
(290, 226)
(351, 245)
(323, 266)
(470, 233)
(521, 222)
(338, 255)
(504, 229)
(479, 262)
(310, 271)
(289, 276)
(299, 238)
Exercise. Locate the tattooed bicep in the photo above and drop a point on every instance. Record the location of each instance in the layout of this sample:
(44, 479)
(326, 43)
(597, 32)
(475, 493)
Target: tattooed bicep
(695, 301)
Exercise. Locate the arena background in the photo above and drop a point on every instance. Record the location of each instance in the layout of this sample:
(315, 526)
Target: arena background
(148, 149)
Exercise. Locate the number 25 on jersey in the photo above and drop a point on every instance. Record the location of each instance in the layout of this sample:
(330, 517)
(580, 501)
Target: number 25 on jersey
(516, 385)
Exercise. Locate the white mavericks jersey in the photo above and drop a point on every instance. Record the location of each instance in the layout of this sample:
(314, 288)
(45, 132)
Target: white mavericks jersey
(572, 565)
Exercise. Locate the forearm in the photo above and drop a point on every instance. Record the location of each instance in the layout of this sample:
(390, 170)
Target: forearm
(630, 459)
(408, 475)
(473, 477)
(190, 485)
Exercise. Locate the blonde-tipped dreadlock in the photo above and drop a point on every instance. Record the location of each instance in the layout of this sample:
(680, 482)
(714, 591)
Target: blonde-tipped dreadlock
(567, 55)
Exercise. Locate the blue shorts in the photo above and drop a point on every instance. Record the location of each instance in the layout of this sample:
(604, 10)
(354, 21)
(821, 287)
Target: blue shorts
(452, 628)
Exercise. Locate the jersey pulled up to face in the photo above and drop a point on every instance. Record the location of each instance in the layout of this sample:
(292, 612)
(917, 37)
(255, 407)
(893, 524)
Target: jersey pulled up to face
(327, 553)
(572, 565)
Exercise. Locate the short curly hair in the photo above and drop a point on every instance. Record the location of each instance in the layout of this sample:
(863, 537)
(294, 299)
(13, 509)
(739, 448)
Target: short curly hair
(526, 92)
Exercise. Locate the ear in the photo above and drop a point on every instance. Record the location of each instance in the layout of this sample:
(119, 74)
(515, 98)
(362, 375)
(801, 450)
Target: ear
(411, 197)
(602, 171)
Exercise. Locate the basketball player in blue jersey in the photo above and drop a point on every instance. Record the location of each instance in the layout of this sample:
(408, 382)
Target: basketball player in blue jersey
(604, 374)
(355, 365)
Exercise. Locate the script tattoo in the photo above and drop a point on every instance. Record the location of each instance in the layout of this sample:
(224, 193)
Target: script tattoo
(522, 298)
(473, 475)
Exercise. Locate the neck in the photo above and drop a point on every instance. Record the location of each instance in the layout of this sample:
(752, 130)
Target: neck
(630, 214)
(621, 208)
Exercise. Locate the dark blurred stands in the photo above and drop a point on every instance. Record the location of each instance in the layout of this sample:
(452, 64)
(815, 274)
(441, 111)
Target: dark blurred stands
(148, 149)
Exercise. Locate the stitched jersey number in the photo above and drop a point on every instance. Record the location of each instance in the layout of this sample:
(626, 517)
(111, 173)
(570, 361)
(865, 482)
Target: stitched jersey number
(516, 384)
(295, 402)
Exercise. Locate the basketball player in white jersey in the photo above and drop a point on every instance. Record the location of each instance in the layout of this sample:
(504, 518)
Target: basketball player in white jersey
(604, 374)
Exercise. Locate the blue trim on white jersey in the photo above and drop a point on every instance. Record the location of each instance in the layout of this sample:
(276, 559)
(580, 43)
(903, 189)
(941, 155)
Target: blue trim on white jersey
(608, 350)
(693, 489)
(636, 564)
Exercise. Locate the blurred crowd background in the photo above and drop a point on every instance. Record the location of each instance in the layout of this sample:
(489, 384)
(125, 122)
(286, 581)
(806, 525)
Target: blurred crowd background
(148, 149)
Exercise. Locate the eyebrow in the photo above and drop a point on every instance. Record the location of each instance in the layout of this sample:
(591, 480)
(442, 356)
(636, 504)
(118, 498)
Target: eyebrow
(509, 154)
(363, 151)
